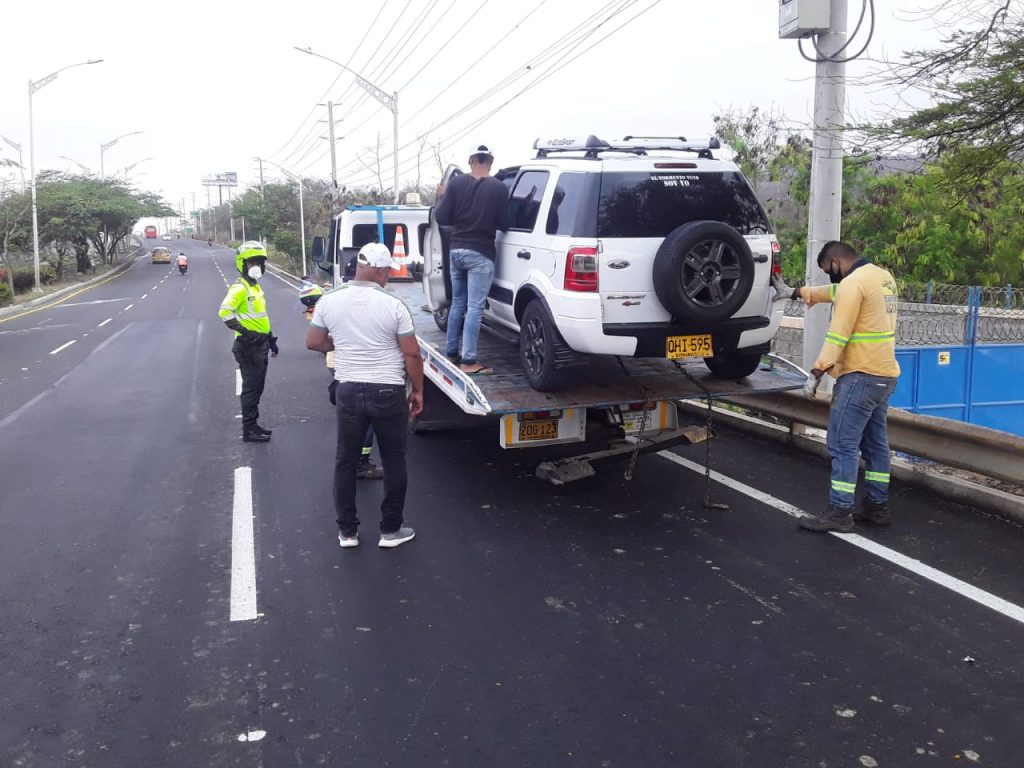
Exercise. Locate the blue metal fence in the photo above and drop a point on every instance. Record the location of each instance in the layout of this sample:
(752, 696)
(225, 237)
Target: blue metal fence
(979, 380)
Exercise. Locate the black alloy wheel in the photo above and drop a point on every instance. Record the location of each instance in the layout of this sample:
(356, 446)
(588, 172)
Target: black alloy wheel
(703, 272)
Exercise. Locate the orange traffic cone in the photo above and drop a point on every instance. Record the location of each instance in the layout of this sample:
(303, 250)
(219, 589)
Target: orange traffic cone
(402, 272)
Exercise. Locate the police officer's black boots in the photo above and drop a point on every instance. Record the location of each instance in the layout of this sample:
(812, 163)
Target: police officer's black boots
(251, 433)
(263, 430)
(872, 513)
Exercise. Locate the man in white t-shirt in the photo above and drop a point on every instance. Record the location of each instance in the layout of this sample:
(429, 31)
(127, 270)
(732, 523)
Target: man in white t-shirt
(375, 350)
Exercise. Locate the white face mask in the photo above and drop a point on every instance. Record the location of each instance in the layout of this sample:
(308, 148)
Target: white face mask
(255, 273)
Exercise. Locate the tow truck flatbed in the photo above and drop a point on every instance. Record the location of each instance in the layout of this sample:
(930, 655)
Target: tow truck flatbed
(602, 382)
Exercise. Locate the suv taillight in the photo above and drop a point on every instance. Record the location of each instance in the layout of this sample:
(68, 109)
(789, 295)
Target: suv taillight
(581, 270)
(776, 258)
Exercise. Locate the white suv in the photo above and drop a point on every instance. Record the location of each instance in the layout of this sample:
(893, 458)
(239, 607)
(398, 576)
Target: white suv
(648, 247)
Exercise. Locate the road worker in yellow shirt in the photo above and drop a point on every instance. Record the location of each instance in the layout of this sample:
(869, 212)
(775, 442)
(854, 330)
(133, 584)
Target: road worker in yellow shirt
(860, 354)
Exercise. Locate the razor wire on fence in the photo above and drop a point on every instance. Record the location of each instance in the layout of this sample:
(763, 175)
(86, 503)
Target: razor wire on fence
(939, 314)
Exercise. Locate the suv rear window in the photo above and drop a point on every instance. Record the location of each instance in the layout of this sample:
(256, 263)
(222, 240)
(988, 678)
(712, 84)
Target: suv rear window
(652, 204)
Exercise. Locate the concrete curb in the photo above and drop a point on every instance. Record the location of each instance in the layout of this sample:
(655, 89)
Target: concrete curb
(970, 494)
(130, 259)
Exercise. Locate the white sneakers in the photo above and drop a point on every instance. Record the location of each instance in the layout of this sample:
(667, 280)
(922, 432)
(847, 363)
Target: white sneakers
(400, 536)
(387, 540)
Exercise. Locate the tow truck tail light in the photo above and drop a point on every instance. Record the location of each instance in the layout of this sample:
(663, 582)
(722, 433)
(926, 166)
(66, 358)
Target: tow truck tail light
(539, 415)
(640, 406)
(776, 258)
(581, 270)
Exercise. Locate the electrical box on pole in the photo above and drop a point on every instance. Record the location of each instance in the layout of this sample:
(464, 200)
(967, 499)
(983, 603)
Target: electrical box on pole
(803, 18)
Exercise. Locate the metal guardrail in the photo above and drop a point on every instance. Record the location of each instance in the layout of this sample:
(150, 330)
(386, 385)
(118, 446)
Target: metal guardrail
(964, 446)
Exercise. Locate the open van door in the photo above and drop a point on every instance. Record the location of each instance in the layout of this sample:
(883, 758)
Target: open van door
(437, 283)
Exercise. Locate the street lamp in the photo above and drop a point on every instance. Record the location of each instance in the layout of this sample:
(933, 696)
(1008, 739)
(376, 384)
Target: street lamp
(32, 88)
(129, 167)
(21, 163)
(85, 170)
(108, 145)
(302, 217)
(391, 102)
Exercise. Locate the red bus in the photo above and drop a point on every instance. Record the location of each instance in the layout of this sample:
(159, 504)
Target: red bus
(151, 231)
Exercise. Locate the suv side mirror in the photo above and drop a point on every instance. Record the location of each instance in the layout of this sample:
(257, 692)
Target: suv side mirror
(318, 249)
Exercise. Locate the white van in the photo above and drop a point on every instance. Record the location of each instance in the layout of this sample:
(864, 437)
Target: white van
(358, 225)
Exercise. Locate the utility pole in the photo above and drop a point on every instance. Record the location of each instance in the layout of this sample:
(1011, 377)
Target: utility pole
(330, 138)
(826, 195)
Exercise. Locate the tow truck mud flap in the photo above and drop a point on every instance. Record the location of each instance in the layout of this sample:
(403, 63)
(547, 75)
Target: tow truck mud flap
(564, 471)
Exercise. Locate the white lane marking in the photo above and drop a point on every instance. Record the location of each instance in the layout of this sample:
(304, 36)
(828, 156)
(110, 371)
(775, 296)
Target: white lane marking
(243, 550)
(63, 346)
(156, 286)
(128, 307)
(81, 304)
(238, 382)
(143, 296)
(962, 588)
(104, 322)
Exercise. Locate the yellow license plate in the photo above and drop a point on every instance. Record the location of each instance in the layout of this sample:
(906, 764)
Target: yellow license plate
(538, 430)
(677, 347)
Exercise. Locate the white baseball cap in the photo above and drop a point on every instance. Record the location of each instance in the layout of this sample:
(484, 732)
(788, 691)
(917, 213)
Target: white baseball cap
(376, 255)
(482, 149)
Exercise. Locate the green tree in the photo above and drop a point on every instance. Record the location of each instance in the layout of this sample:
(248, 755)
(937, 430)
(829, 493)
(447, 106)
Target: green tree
(15, 205)
(974, 81)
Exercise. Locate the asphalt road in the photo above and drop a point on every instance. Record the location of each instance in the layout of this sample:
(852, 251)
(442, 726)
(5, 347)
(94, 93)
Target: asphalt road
(608, 623)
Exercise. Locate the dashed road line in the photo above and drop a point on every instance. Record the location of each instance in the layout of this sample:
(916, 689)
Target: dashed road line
(128, 307)
(962, 588)
(104, 322)
(63, 346)
(143, 296)
(243, 550)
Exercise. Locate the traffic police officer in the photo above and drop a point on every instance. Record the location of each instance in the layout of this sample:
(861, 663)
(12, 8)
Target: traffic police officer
(860, 353)
(244, 310)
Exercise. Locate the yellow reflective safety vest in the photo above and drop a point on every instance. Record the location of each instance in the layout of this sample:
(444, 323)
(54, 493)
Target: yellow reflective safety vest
(862, 334)
(245, 302)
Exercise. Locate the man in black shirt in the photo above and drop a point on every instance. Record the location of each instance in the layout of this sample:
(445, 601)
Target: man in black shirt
(476, 206)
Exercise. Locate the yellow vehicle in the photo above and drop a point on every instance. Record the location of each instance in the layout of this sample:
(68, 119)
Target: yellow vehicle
(161, 255)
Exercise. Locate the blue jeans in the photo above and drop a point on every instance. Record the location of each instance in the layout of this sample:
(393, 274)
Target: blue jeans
(472, 274)
(856, 422)
(385, 408)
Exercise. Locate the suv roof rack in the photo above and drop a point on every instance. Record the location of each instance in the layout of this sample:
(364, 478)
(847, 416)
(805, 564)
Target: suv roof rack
(592, 146)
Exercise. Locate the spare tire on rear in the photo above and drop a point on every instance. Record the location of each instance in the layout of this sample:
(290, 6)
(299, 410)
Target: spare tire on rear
(703, 272)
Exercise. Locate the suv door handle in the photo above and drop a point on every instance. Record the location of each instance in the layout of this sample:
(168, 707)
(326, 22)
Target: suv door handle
(760, 258)
(523, 255)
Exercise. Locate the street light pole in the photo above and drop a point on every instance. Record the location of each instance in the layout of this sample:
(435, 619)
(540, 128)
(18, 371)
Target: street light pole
(21, 163)
(32, 88)
(72, 160)
(391, 102)
(127, 168)
(108, 145)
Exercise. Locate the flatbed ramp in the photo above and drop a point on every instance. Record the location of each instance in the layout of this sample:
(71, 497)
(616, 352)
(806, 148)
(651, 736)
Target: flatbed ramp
(602, 382)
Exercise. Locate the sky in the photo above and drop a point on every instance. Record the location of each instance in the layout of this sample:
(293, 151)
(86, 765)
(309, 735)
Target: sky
(212, 85)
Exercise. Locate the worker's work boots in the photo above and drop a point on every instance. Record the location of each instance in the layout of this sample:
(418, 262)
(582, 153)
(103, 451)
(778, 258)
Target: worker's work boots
(832, 519)
(872, 513)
